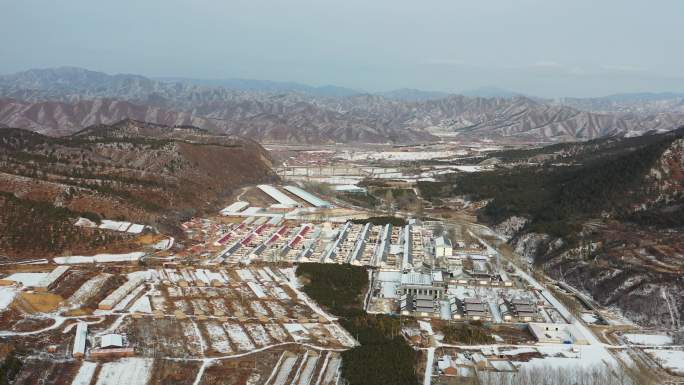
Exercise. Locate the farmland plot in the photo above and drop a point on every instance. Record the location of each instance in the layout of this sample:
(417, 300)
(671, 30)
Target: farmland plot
(277, 310)
(258, 334)
(193, 340)
(245, 275)
(331, 371)
(130, 371)
(165, 337)
(307, 371)
(174, 372)
(88, 290)
(239, 309)
(277, 332)
(219, 305)
(200, 305)
(285, 370)
(238, 336)
(217, 337)
(259, 308)
(85, 373)
(159, 303)
(182, 305)
(47, 372)
(174, 292)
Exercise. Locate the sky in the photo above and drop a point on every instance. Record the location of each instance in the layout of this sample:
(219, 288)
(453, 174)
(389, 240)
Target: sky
(546, 48)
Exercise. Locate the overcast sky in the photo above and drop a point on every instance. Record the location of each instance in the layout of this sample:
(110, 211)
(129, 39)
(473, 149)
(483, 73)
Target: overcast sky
(539, 47)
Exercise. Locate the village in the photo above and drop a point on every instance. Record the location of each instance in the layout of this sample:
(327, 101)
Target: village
(225, 303)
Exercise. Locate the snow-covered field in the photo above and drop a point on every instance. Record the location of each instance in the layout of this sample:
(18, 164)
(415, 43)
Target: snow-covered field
(245, 275)
(257, 289)
(6, 297)
(219, 340)
(129, 371)
(669, 359)
(648, 339)
(142, 305)
(258, 308)
(238, 336)
(297, 331)
(100, 258)
(27, 279)
(284, 370)
(88, 290)
(258, 334)
(276, 331)
(85, 373)
(396, 155)
(277, 310)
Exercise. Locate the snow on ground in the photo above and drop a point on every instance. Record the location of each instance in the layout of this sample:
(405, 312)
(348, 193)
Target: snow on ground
(264, 276)
(396, 155)
(259, 308)
(238, 336)
(218, 339)
(245, 275)
(85, 373)
(331, 370)
(256, 288)
(121, 306)
(88, 290)
(164, 244)
(142, 305)
(284, 370)
(85, 222)
(672, 360)
(276, 331)
(258, 334)
(277, 310)
(469, 168)
(108, 224)
(648, 339)
(307, 372)
(129, 371)
(219, 305)
(426, 326)
(590, 318)
(6, 297)
(136, 228)
(193, 339)
(340, 334)
(27, 279)
(100, 258)
(297, 331)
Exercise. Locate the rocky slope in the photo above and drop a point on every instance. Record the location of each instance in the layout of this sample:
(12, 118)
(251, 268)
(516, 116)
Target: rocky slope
(633, 262)
(605, 216)
(62, 100)
(136, 171)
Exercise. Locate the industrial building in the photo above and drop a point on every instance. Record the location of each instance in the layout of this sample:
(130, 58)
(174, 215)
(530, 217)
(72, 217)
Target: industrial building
(557, 333)
(443, 247)
(420, 284)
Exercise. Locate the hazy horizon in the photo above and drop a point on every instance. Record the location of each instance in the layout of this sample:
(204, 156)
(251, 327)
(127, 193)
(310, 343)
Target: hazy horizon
(533, 47)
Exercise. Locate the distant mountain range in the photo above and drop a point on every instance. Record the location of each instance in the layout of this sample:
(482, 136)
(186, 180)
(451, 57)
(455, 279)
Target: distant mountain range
(63, 100)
